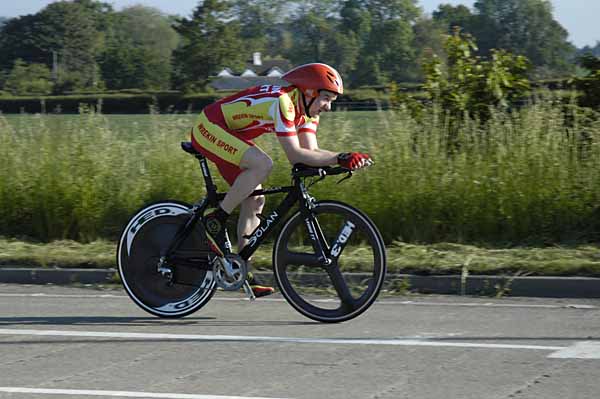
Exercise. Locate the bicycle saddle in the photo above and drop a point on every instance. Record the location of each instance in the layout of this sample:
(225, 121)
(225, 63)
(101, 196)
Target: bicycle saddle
(187, 147)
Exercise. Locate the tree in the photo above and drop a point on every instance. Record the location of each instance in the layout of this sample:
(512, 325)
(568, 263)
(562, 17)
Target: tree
(389, 43)
(81, 42)
(325, 31)
(386, 10)
(70, 29)
(310, 31)
(525, 27)
(428, 37)
(342, 50)
(451, 16)
(27, 38)
(355, 19)
(590, 50)
(258, 22)
(138, 50)
(32, 79)
(148, 27)
(211, 40)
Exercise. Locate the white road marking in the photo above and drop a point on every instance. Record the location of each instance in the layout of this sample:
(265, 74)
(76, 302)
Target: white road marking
(76, 296)
(581, 350)
(398, 341)
(123, 394)
(379, 302)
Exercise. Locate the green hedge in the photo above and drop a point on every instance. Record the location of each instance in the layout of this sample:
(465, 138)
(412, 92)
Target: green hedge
(136, 102)
(107, 103)
(130, 102)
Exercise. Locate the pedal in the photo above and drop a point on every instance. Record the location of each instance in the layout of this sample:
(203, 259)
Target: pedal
(248, 291)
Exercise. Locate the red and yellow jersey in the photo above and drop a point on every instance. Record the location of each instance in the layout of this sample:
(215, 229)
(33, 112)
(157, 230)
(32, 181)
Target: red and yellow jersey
(266, 109)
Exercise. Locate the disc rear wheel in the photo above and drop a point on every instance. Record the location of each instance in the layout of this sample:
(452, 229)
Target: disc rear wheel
(144, 241)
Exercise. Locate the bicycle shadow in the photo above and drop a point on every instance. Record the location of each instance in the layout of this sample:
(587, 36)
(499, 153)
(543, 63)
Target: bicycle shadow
(141, 321)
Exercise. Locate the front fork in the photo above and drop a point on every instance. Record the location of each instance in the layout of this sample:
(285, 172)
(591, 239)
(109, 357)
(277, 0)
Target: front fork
(318, 240)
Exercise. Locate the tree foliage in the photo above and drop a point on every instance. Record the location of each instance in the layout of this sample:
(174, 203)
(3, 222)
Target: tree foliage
(138, 50)
(589, 85)
(371, 42)
(210, 40)
(595, 50)
(71, 30)
(468, 84)
(523, 27)
(29, 79)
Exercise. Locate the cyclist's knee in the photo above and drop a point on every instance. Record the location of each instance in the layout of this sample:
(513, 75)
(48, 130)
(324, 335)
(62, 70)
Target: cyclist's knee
(257, 161)
(254, 204)
(266, 165)
(257, 203)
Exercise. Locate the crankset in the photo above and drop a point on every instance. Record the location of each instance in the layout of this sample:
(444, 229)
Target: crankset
(230, 272)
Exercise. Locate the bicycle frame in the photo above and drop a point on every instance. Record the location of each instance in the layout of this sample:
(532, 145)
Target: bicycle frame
(296, 193)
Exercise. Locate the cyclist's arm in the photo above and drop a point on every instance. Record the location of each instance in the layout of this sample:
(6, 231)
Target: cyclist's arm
(305, 150)
(307, 135)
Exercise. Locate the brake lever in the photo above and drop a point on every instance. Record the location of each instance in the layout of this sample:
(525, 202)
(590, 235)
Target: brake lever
(322, 175)
(349, 175)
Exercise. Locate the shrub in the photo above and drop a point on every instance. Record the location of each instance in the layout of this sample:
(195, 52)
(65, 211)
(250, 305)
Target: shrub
(472, 85)
(29, 79)
(589, 85)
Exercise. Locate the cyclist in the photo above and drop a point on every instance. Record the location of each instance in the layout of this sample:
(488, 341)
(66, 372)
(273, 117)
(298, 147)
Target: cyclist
(224, 131)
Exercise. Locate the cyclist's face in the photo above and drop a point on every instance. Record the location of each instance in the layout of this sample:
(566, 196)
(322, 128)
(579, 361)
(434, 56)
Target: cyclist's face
(322, 103)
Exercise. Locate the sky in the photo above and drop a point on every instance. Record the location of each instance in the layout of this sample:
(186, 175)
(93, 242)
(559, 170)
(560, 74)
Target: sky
(578, 17)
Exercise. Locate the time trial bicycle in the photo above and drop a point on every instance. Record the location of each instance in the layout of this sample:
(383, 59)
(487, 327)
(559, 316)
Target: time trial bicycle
(329, 258)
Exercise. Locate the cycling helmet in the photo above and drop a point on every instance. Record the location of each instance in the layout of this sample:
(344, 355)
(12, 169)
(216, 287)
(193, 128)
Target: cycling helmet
(311, 78)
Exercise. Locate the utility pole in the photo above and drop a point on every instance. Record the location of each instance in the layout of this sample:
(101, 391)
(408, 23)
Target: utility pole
(54, 66)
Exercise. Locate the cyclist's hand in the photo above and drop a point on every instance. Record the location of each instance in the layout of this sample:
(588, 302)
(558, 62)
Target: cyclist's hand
(354, 160)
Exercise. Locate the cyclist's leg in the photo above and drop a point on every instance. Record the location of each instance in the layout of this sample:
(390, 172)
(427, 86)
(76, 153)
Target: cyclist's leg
(243, 165)
(256, 167)
(248, 221)
(211, 137)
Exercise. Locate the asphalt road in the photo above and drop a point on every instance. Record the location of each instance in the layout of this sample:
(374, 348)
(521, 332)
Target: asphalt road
(61, 342)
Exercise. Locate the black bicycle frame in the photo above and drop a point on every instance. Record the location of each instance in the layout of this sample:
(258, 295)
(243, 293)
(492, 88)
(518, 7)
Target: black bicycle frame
(295, 194)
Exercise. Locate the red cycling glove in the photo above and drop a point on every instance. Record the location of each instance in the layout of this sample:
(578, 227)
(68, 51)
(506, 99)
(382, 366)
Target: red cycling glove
(353, 160)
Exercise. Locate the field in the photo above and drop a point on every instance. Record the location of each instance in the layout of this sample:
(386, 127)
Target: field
(527, 178)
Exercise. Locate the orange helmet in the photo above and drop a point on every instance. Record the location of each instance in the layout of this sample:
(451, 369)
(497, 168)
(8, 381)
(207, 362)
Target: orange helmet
(310, 78)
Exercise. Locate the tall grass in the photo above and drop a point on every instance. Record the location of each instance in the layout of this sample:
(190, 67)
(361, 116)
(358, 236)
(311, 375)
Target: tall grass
(531, 176)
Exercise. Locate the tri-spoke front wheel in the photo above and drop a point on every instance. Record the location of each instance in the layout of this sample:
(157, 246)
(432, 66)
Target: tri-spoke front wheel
(345, 285)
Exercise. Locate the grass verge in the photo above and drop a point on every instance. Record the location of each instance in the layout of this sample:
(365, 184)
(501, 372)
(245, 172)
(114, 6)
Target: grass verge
(442, 258)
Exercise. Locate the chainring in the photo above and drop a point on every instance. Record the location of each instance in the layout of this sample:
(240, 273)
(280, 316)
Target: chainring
(230, 281)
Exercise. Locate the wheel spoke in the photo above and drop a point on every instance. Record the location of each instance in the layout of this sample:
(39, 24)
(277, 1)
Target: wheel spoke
(304, 259)
(341, 287)
(342, 239)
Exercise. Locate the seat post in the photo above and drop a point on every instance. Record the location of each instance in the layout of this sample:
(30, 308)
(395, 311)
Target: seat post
(211, 189)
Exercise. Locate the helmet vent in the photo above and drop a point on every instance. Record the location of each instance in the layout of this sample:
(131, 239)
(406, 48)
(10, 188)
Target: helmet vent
(332, 78)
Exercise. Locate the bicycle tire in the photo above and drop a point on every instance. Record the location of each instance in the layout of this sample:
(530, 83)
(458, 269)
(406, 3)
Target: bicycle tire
(357, 250)
(143, 241)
